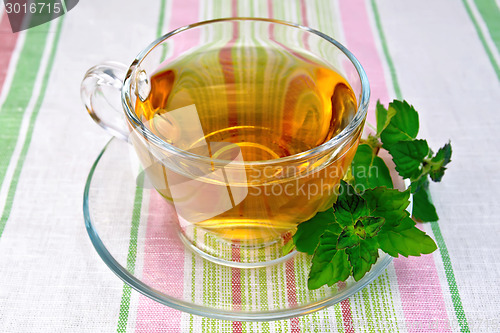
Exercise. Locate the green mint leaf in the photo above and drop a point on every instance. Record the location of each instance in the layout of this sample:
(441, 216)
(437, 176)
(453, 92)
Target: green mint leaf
(337, 268)
(349, 206)
(329, 265)
(369, 170)
(348, 238)
(402, 124)
(372, 225)
(381, 114)
(390, 204)
(362, 257)
(437, 175)
(288, 247)
(408, 157)
(423, 209)
(327, 243)
(416, 185)
(382, 119)
(443, 154)
(373, 142)
(321, 272)
(405, 239)
(307, 236)
(359, 228)
(439, 162)
(366, 227)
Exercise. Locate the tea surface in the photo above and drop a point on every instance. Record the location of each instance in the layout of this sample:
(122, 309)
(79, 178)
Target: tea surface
(268, 102)
(271, 103)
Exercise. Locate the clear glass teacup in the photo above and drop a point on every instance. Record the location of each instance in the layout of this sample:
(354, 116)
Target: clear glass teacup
(244, 125)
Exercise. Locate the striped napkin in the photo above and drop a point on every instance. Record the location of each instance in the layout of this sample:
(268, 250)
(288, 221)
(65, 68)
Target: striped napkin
(441, 55)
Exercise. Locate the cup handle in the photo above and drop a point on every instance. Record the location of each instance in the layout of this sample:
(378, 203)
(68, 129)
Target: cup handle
(101, 93)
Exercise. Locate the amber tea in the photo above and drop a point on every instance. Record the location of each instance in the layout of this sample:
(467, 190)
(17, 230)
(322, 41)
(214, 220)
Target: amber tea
(268, 102)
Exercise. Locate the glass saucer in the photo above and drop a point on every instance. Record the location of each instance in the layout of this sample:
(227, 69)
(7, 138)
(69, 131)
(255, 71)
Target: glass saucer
(136, 234)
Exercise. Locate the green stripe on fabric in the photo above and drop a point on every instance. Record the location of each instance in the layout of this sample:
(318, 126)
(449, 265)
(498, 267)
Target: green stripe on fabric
(264, 303)
(63, 4)
(161, 18)
(10, 122)
(387, 304)
(205, 289)
(450, 276)
(211, 274)
(214, 284)
(159, 28)
(371, 295)
(456, 299)
(368, 310)
(134, 229)
(132, 254)
(124, 308)
(275, 291)
(338, 317)
(484, 8)
(491, 15)
(390, 302)
(20, 93)
(193, 284)
(385, 48)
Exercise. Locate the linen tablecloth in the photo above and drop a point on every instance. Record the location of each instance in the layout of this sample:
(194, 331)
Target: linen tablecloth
(443, 56)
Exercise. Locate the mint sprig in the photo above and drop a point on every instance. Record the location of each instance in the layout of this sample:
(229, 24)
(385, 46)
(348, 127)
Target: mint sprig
(345, 240)
(400, 122)
(397, 130)
(369, 169)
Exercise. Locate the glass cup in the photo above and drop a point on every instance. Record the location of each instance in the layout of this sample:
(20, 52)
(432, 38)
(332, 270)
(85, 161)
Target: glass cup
(244, 125)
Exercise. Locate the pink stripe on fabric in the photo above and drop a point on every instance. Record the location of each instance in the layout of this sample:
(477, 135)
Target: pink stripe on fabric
(237, 327)
(236, 287)
(291, 293)
(226, 60)
(305, 21)
(345, 308)
(161, 228)
(421, 294)
(163, 268)
(184, 12)
(361, 42)
(345, 305)
(236, 278)
(8, 41)
(417, 277)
